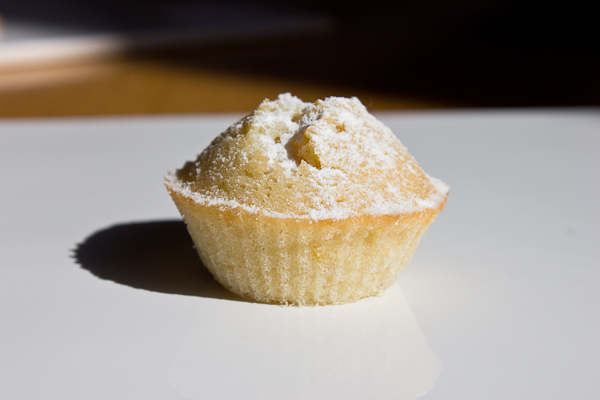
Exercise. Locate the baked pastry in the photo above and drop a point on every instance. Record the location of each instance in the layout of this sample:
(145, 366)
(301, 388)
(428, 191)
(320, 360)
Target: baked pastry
(307, 204)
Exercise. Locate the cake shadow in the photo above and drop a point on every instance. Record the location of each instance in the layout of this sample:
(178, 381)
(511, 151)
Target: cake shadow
(158, 256)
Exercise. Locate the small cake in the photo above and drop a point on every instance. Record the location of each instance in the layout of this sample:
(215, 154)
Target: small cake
(306, 204)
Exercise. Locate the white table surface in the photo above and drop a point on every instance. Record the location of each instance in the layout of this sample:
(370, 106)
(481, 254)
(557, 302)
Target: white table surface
(500, 300)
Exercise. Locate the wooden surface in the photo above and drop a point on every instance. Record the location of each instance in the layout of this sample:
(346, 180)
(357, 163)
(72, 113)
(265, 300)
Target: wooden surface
(129, 86)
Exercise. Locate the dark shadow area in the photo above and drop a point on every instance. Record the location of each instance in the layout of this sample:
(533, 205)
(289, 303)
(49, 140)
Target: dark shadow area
(500, 53)
(158, 256)
(492, 53)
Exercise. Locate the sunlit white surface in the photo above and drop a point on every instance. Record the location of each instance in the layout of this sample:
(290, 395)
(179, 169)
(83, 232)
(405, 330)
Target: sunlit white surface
(503, 291)
(372, 348)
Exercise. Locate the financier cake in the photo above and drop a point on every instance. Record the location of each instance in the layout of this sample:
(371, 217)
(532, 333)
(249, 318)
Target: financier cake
(306, 203)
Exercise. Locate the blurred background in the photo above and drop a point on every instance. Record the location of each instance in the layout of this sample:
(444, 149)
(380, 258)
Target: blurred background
(77, 57)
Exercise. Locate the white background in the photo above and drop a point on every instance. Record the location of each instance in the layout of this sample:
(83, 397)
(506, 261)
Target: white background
(502, 296)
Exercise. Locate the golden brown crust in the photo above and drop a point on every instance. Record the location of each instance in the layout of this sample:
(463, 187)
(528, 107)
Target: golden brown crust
(328, 160)
(406, 218)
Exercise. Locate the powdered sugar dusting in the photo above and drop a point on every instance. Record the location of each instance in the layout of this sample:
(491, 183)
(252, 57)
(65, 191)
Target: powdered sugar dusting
(327, 160)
